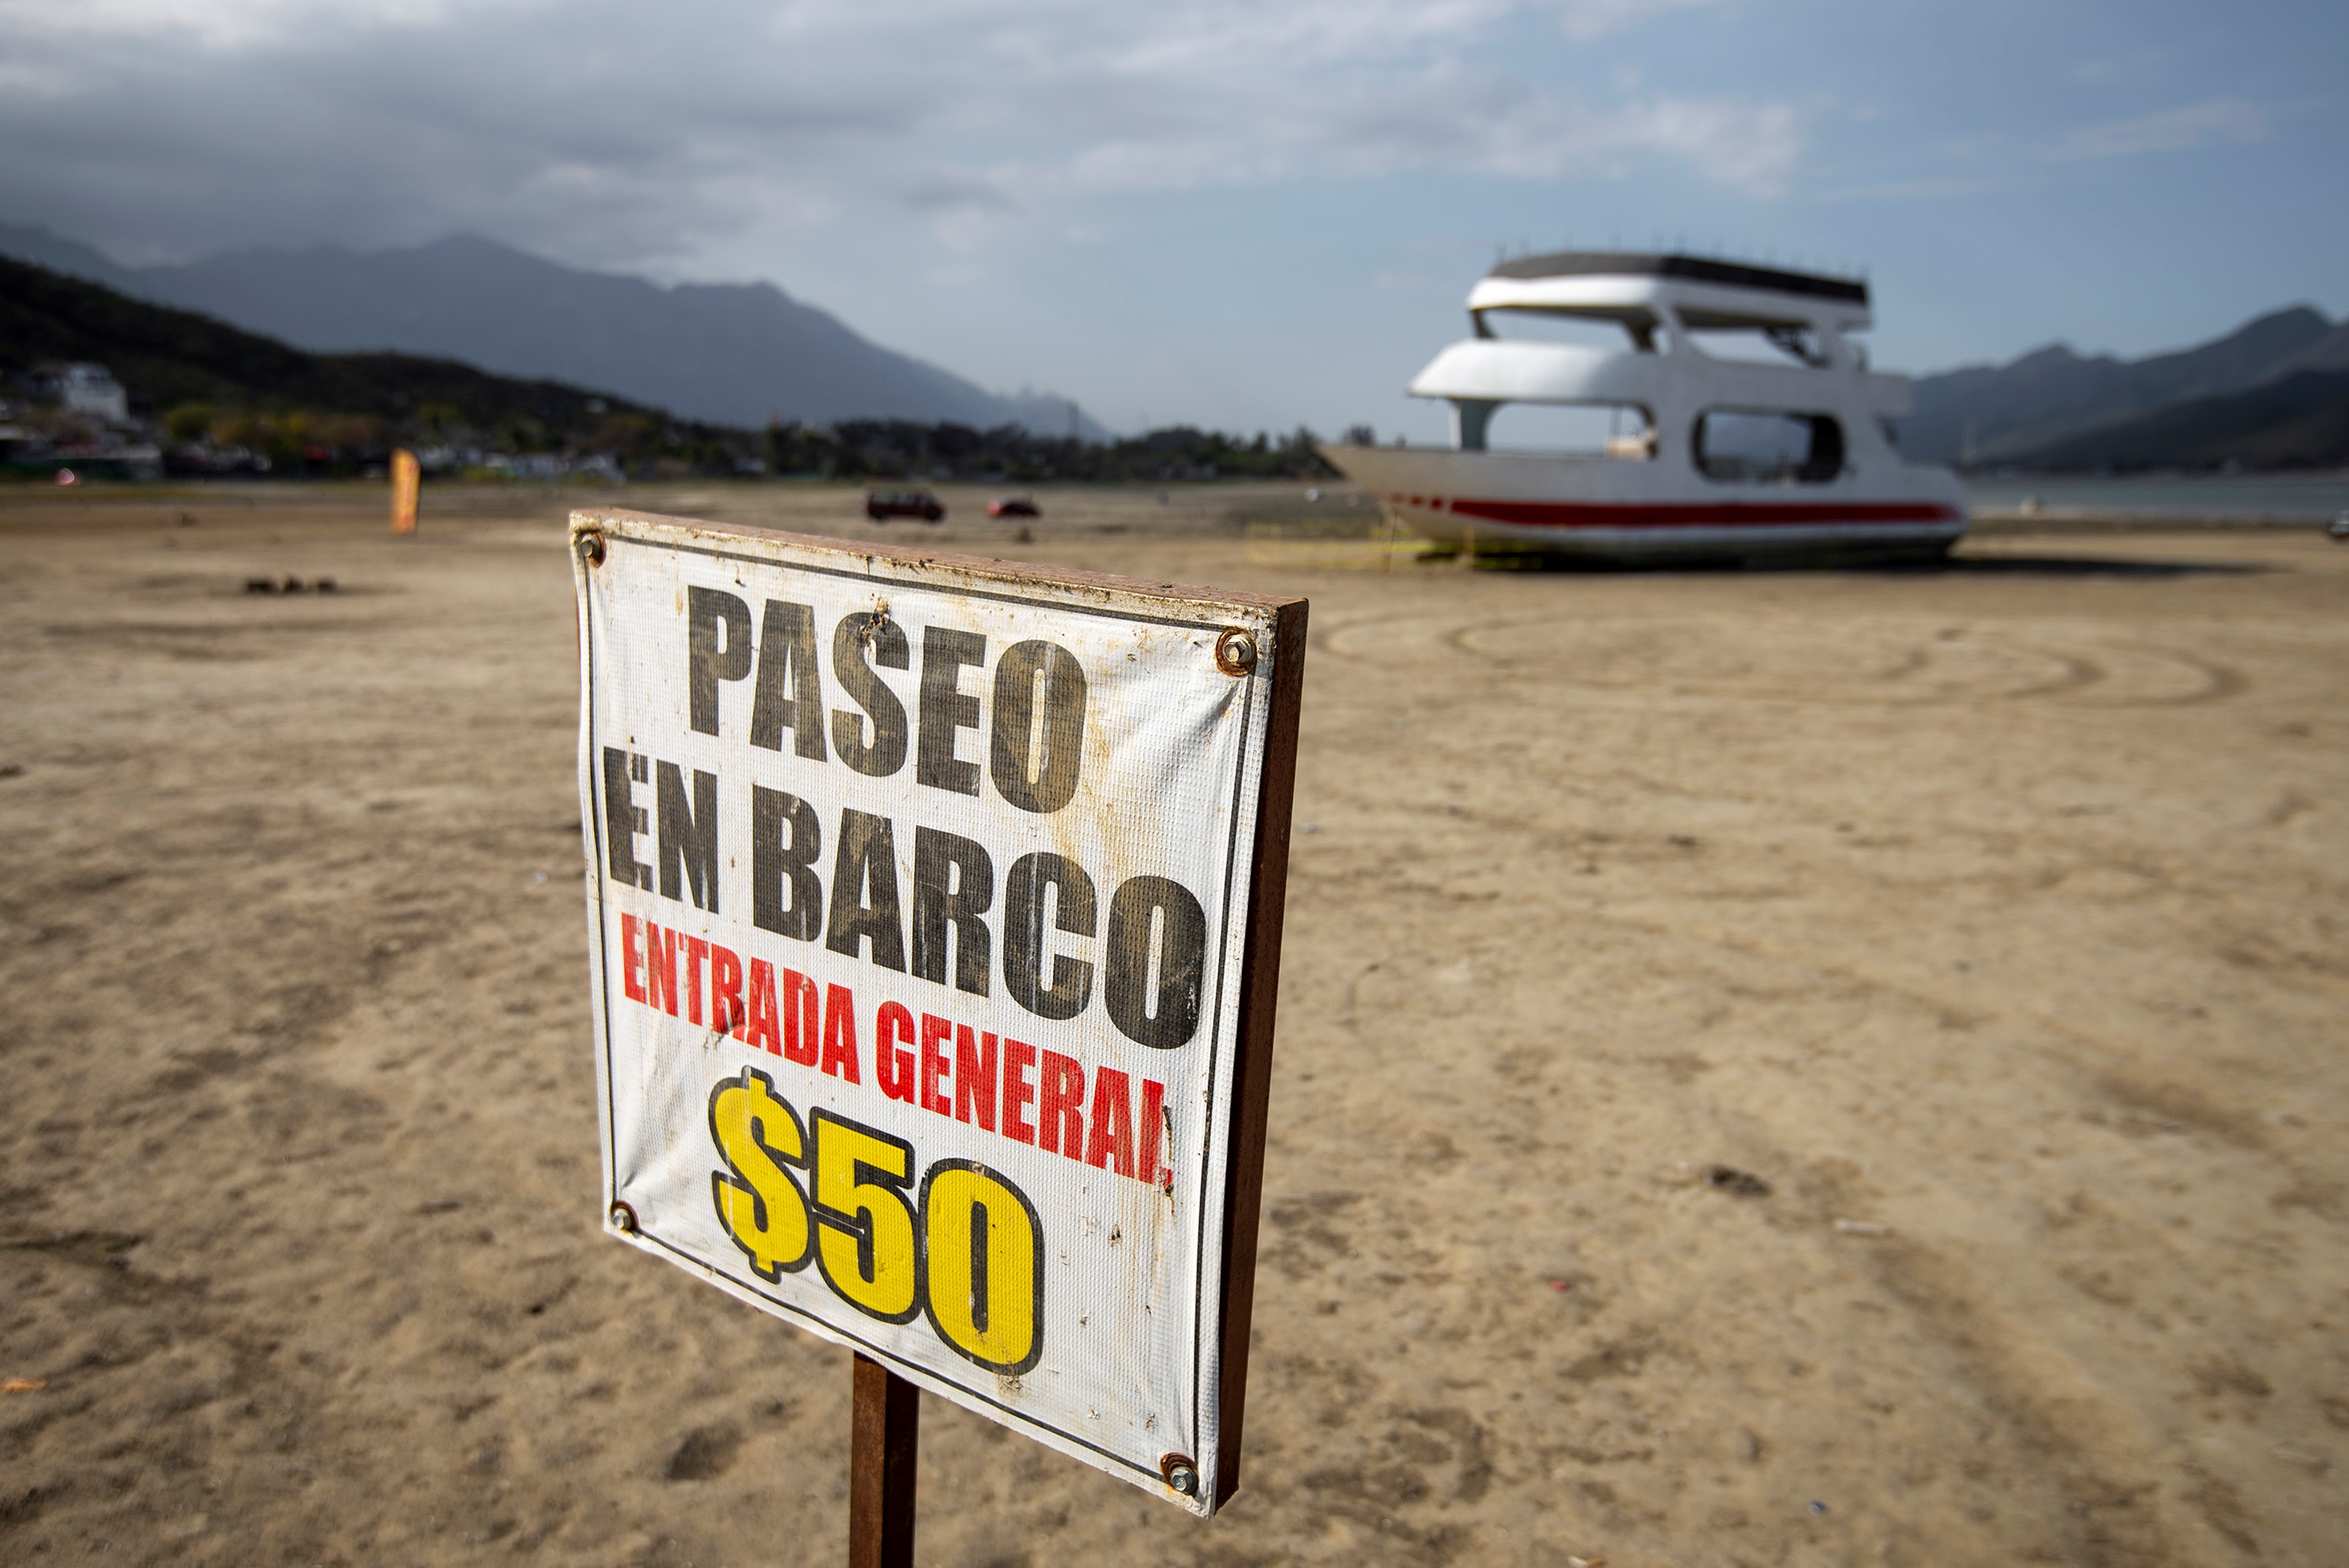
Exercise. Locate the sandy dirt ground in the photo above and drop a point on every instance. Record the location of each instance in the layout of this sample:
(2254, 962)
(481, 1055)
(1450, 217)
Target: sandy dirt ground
(1775, 1068)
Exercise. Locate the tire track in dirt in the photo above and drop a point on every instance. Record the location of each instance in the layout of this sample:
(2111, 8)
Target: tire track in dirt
(1901, 665)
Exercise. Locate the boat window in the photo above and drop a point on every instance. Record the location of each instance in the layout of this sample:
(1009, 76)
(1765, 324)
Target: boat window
(1757, 446)
(1572, 430)
(1755, 338)
(1595, 327)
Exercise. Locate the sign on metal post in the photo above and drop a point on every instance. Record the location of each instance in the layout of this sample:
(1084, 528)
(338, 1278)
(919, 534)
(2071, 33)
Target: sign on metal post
(937, 930)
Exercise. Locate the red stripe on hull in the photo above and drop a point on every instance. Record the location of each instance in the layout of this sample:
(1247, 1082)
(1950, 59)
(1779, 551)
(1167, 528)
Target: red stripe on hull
(1716, 515)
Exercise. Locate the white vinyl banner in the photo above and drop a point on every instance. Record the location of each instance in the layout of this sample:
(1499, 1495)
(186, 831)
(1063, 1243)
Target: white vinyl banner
(918, 914)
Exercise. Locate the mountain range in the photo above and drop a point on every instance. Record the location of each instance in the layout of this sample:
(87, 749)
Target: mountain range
(2273, 393)
(735, 354)
(170, 359)
(2259, 396)
(227, 402)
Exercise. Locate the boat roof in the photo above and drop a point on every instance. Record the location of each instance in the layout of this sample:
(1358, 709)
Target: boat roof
(1694, 269)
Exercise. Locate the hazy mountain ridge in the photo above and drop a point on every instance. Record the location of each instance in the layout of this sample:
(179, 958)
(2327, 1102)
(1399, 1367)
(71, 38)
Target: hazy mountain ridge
(219, 400)
(168, 358)
(2300, 419)
(736, 354)
(47, 248)
(2051, 406)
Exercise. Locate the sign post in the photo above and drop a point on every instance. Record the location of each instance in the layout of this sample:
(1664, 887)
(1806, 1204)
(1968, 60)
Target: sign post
(884, 1443)
(935, 930)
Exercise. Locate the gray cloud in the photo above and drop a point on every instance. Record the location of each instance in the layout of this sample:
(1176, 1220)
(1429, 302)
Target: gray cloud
(632, 135)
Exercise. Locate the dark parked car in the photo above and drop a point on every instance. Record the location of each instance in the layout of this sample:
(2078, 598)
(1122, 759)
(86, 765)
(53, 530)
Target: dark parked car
(881, 504)
(1013, 506)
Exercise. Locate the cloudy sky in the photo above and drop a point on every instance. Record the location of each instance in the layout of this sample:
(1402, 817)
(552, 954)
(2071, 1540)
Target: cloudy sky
(1238, 212)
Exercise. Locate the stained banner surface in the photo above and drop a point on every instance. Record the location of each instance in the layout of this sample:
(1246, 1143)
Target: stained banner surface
(935, 910)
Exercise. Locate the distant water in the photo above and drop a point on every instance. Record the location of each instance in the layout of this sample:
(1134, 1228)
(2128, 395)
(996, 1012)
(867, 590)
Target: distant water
(2242, 498)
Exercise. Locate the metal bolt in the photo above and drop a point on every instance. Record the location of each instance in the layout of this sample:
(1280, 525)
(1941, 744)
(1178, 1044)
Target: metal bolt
(1235, 652)
(1178, 1472)
(624, 1218)
(590, 547)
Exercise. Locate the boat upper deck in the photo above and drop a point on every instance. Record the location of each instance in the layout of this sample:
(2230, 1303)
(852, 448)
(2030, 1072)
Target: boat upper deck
(1696, 269)
(1702, 292)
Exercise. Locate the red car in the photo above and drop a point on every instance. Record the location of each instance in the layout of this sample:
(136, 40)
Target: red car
(881, 504)
(1013, 506)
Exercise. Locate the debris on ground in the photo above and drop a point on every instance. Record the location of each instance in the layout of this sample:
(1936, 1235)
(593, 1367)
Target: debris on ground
(1736, 1183)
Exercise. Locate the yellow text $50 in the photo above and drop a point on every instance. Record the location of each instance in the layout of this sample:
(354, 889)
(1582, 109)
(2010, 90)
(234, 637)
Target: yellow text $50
(967, 1252)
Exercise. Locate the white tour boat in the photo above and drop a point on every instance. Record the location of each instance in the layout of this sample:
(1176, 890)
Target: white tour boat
(1744, 420)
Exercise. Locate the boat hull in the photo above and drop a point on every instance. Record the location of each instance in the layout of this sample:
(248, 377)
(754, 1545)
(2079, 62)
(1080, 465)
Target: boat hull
(1615, 509)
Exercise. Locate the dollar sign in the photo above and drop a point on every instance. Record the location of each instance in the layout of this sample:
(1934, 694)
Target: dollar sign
(759, 1202)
